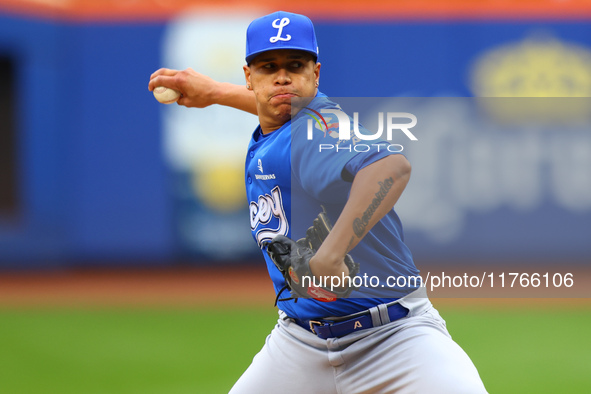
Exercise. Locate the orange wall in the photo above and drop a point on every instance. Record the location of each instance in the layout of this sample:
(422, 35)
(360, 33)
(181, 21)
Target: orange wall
(157, 10)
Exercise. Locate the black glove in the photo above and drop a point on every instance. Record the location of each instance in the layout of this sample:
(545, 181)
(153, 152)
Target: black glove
(293, 260)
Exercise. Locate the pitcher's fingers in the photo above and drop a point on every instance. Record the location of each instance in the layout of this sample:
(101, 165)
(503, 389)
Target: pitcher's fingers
(184, 101)
(163, 71)
(168, 81)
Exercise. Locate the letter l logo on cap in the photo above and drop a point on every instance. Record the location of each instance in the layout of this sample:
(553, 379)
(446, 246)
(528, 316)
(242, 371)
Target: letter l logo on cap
(284, 22)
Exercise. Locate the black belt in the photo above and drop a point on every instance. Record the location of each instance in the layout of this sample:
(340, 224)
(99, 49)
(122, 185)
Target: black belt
(326, 328)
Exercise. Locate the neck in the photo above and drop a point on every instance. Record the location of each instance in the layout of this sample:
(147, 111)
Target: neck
(269, 126)
(267, 130)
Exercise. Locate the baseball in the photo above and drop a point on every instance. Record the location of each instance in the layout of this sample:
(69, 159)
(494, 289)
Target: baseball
(166, 95)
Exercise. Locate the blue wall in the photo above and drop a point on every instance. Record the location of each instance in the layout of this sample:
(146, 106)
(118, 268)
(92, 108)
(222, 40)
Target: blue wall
(94, 184)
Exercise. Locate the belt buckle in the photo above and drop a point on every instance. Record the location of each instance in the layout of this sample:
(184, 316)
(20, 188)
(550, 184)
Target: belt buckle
(312, 322)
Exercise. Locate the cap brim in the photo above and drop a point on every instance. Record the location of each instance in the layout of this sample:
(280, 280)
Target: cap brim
(251, 57)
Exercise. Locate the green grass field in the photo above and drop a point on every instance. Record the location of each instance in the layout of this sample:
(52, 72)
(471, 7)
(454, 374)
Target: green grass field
(129, 350)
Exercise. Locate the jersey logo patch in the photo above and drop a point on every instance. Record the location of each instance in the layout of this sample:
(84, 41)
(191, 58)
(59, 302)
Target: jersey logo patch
(284, 22)
(357, 325)
(264, 177)
(267, 207)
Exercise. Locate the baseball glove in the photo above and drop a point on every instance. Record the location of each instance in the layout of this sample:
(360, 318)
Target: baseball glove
(293, 260)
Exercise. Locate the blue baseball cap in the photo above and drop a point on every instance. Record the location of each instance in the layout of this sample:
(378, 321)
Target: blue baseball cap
(280, 30)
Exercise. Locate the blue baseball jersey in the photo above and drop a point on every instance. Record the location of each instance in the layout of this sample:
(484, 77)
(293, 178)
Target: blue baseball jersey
(295, 172)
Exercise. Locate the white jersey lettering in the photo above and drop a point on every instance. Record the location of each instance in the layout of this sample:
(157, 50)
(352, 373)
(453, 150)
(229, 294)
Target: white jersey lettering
(267, 207)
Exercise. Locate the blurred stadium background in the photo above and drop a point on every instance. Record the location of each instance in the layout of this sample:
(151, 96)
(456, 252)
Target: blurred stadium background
(112, 205)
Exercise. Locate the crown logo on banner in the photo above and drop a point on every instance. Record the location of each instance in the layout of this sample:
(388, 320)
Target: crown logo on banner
(539, 66)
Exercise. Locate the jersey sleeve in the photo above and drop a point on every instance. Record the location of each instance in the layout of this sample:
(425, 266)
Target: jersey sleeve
(359, 162)
(325, 165)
